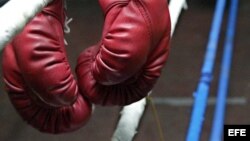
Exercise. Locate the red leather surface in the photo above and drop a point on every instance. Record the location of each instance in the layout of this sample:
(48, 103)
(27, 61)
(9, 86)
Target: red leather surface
(38, 77)
(125, 65)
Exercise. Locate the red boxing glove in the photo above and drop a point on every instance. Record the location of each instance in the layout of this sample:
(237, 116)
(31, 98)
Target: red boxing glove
(38, 77)
(127, 62)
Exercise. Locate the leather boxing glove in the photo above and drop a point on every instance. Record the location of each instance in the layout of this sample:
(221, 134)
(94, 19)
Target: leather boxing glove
(124, 66)
(38, 77)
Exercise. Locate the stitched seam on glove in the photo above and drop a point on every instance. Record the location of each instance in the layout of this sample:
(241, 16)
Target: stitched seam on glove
(114, 4)
(144, 12)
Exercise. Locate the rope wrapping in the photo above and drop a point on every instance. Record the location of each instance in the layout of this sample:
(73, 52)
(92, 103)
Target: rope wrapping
(15, 14)
(175, 8)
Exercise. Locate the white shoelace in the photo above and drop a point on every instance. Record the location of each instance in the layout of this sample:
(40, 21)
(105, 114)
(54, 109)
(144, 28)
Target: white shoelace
(67, 28)
(66, 23)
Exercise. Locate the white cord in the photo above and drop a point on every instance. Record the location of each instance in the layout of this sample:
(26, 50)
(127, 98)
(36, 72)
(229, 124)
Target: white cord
(175, 8)
(15, 14)
(67, 28)
(129, 121)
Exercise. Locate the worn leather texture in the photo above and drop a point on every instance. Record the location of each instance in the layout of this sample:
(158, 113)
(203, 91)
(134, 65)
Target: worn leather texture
(127, 62)
(38, 77)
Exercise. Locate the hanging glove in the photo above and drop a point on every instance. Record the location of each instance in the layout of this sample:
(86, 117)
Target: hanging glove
(38, 77)
(125, 65)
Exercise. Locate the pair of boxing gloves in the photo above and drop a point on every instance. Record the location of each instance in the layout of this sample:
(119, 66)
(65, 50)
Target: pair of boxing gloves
(121, 69)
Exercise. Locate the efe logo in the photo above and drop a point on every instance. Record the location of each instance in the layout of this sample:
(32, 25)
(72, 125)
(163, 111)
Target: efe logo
(236, 132)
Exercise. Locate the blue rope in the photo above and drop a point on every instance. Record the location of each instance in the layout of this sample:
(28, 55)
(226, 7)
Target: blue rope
(202, 91)
(224, 74)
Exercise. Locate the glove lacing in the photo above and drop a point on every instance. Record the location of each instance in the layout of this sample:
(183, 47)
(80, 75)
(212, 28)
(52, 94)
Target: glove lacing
(66, 23)
(67, 28)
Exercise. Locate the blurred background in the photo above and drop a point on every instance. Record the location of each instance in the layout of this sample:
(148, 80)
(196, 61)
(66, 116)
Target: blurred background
(178, 81)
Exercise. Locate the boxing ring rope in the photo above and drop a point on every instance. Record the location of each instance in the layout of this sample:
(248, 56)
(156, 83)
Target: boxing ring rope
(201, 94)
(13, 20)
(219, 114)
(127, 126)
(175, 8)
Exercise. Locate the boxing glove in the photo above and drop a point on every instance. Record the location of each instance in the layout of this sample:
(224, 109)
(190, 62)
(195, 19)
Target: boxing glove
(125, 65)
(38, 77)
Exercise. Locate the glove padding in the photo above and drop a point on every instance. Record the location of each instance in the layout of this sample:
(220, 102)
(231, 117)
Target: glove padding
(38, 77)
(127, 62)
